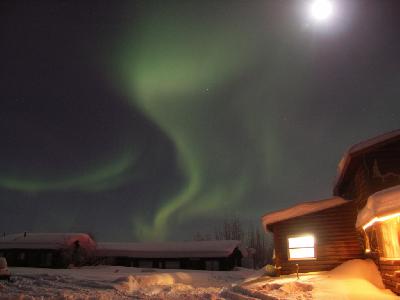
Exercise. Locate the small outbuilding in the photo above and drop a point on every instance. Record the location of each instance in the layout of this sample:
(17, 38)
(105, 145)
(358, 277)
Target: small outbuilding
(199, 255)
(47, 250)
(314, 236)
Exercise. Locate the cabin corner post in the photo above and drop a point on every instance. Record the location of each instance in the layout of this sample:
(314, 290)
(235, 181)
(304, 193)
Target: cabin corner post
(277, 249)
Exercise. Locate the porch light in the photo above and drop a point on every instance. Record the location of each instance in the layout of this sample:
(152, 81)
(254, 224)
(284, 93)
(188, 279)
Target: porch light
(387, 230)
(380, 221)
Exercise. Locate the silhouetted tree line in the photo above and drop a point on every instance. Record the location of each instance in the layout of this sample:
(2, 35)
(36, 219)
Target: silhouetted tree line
(251, 236)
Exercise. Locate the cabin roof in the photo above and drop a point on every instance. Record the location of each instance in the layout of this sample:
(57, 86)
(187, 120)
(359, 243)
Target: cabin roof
(300, 209)
(44, 240)
(380, 204)
(219, 248)
(347, 160)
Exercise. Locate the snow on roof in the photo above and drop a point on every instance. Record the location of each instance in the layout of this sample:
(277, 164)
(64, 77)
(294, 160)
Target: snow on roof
(300, 210)
(345, 161)
(374, 141)
(220, 248)
(380, 204)
(45, 240)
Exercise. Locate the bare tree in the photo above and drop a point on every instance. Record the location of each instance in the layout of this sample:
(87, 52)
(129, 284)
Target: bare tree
(231, 229)
(201, 237)
(253, 237)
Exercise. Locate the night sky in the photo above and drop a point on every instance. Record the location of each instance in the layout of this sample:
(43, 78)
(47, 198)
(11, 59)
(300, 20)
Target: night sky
(151, 120)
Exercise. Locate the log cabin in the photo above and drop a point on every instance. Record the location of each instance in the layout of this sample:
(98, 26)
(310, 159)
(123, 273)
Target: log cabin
(198, 255)
(369, 175)
(60, 250)
(314, 236)
(362, 220)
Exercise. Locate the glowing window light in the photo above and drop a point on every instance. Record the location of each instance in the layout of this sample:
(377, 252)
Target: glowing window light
(301, 247)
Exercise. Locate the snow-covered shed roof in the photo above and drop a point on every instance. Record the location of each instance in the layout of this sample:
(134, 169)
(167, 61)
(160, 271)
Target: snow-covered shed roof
(45, 240)
(220, 248)
(300, 210)
(382, 203)
(356, 149)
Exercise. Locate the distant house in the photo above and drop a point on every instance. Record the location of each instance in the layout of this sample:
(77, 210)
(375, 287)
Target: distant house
(200, 255)
(362, 220)
(49, 250)
(59, 250)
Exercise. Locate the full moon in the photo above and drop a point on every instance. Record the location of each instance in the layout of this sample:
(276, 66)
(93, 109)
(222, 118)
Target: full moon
(321, 9)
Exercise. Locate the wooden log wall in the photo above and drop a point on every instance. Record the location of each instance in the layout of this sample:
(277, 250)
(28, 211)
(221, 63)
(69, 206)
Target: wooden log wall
(336, 239)
(372, 171)
(390, 270)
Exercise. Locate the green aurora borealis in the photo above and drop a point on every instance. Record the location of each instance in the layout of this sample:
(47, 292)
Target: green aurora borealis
(171, 68)
(176, 115)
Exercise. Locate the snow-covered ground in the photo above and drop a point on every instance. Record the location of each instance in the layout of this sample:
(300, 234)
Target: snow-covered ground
(110, 282)
(354, 280)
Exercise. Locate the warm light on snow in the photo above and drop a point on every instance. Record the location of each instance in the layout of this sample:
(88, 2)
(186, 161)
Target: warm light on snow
(353, 280)
(389, 238)
(321, 9)
(380, 219)
(301, 247)
(382, 211)
(380, 206)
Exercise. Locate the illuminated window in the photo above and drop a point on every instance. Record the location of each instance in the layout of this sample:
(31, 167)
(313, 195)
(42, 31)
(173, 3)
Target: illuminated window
(301, 247)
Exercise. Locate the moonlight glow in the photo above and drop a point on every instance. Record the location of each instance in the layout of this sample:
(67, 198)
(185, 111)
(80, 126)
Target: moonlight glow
(321, 10)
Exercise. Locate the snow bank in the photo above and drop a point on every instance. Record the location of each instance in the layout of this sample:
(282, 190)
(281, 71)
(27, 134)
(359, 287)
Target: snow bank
(301, 209)
(360, 269)
(374, 141)
(110, 282)
(273, 288)
(350, 289)
(354, 280)
(382, 203)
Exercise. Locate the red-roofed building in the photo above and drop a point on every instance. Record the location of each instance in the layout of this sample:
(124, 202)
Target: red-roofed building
(50, 250)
